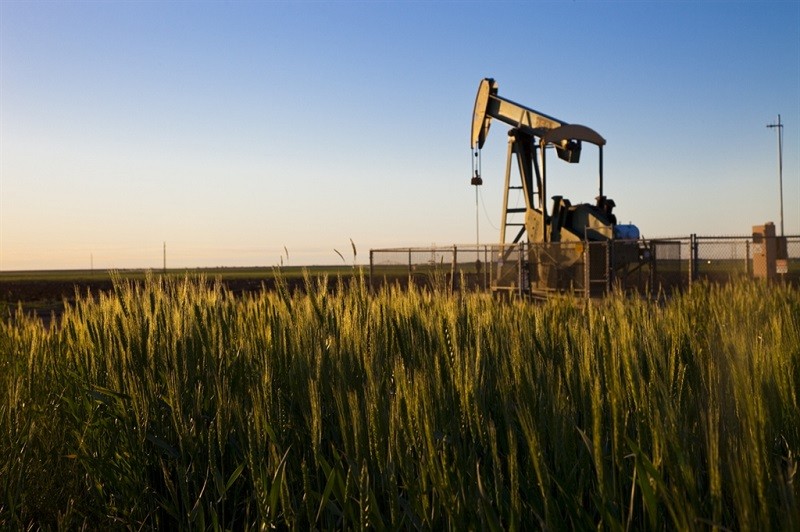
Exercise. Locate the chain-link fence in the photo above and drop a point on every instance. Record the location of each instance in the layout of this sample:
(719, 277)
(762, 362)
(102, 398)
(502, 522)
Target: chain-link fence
(591, 268)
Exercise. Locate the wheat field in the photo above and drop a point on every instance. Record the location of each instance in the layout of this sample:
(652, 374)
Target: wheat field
(174, 404)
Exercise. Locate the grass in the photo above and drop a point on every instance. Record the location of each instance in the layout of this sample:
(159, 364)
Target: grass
(170, 403)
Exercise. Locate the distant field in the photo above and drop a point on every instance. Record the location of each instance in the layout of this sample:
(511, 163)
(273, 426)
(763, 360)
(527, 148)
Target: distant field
(44, 292)
(211, 273)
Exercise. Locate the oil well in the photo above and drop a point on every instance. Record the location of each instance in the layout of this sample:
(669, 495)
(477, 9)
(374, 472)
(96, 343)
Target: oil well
(561, 244)
(550, 244)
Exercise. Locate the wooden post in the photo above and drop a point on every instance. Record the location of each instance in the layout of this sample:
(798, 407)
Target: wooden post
(454, 269)
(410, 278)
(370, 270)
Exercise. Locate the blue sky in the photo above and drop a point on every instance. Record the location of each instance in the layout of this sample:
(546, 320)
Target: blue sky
(229, 130)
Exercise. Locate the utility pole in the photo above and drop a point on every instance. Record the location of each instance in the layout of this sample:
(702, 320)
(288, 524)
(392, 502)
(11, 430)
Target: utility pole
(779, 127)
(165, 257)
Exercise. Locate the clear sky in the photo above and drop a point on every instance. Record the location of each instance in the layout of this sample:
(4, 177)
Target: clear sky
(230, 130)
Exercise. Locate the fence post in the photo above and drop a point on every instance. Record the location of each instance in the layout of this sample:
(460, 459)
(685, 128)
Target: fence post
(747, 270)
(692, 258)
(609, 270)
(519, 270)
(486, 266)
(492, 270)
(587, 279)
(410, 278)
(453, 269)
(653, 266)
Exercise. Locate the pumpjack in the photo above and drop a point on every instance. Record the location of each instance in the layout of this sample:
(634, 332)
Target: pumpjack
(559, 250)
